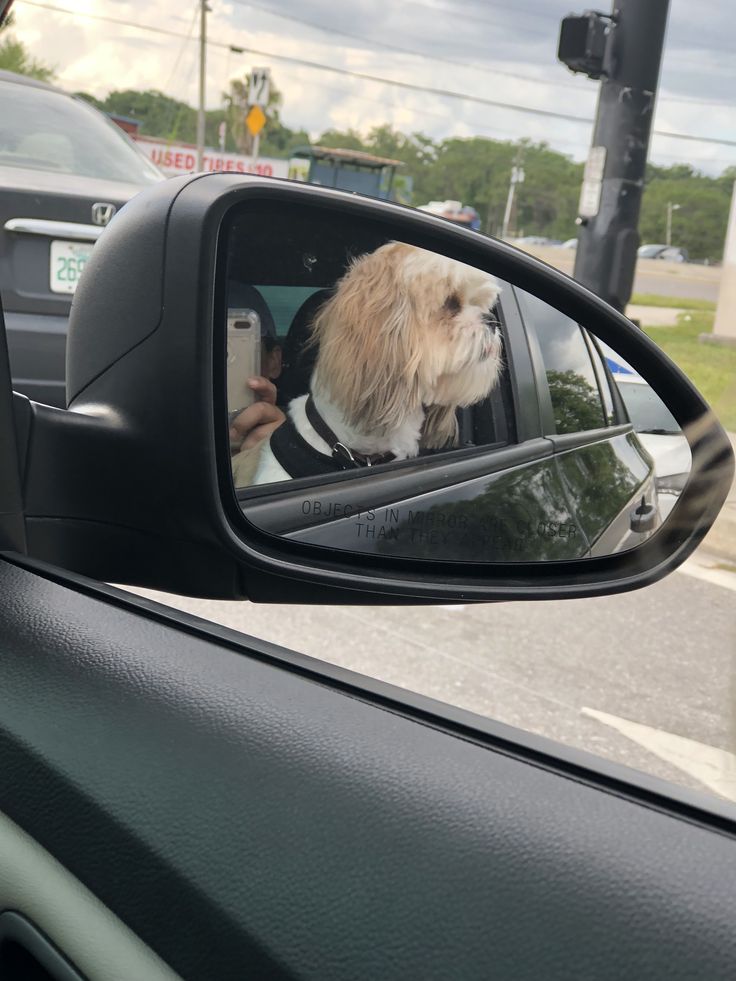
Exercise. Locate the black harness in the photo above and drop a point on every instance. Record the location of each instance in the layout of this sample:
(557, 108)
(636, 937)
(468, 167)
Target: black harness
(300, 459)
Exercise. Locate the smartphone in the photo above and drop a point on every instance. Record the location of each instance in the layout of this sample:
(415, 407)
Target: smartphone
(243, 355)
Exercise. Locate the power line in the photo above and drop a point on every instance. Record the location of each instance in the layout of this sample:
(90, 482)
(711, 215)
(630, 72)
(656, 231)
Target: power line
(497, 132)
(363, 76)
(401, 50)
(449, 61)
(182, 48)
(410, 86)
(456, 12)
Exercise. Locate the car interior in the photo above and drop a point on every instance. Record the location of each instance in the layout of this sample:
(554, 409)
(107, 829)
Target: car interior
(183, 800)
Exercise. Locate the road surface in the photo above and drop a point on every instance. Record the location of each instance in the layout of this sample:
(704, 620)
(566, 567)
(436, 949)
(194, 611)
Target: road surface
(643, 678)
(652, 276)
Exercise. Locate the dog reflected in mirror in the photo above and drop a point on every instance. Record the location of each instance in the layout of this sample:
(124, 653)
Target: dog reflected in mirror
(407, 338)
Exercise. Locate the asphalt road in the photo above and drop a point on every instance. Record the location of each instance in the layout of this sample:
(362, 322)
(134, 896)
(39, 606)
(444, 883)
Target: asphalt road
(643, 678)
(692, 287)
(664, 278)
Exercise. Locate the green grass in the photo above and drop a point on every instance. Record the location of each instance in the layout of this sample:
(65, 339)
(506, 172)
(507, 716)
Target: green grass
(681, 302)
(711, 367)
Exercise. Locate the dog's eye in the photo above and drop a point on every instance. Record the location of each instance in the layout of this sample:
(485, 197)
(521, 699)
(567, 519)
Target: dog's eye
(452, 304)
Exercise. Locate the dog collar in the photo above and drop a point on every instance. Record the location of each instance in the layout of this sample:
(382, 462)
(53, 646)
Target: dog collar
(344, 457)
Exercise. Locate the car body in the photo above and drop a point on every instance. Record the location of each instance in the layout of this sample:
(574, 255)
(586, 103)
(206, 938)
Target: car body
(667, 253)
(656, 428)
(65, 169)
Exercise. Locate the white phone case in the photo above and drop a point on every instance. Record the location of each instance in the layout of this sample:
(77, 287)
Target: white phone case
(243, 355)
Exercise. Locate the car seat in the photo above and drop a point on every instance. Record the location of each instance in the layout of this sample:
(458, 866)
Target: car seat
(298, 355)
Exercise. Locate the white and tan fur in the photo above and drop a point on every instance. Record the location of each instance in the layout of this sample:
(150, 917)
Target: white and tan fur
(405, 340)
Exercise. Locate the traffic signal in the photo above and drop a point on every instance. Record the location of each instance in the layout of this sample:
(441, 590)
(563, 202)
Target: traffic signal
(583, 44)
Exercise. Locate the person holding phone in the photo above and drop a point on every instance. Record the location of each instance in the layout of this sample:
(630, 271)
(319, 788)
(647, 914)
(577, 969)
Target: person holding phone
(251, 424)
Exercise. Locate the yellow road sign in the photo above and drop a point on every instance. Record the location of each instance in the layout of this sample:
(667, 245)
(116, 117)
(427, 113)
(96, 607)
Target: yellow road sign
(255, 120)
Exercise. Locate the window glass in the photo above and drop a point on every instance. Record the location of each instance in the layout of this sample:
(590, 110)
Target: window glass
(576, 400)
(647, 411)
(46, 130)
(604, 385)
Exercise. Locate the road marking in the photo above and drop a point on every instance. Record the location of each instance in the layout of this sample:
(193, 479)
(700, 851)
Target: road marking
(714, 768)
(706, 568)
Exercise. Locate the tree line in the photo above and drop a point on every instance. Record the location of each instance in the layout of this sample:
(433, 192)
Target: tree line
(473, 170)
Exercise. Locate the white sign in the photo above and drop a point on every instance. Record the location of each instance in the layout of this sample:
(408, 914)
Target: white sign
(181, 158)
(259, 87)
(590, 192)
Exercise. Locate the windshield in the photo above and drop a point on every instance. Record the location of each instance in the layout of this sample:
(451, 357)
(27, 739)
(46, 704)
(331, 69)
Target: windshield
(475, 118)
(46, 130)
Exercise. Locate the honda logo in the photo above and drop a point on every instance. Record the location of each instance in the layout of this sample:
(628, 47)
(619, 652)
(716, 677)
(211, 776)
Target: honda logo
(102, 212)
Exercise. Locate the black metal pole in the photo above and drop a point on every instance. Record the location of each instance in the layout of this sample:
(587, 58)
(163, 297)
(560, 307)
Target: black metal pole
(610, 201)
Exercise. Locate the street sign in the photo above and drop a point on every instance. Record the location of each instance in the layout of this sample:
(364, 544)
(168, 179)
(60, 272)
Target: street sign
(255, 120)
(259, 87)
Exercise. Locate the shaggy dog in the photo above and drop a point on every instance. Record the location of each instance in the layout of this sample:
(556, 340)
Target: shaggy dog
(406, 339)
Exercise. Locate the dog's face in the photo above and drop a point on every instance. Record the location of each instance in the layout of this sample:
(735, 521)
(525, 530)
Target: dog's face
(407, 328)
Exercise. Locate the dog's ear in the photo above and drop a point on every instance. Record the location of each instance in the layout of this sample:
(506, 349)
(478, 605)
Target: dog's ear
(440, 429)
(370, 344)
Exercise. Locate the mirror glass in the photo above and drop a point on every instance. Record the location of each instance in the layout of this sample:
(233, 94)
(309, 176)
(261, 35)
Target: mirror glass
(383, 398)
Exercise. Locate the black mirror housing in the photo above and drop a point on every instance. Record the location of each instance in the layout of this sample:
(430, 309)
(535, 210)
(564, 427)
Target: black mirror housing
(131, 483)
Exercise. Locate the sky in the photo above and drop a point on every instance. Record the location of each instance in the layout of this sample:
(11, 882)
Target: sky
(494, 49)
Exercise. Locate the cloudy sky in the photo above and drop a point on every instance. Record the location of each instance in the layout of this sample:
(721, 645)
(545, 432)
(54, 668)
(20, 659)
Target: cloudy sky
(496, 49)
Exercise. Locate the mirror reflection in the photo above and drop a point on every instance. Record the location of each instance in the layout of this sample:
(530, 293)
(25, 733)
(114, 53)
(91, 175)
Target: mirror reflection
(383, 398)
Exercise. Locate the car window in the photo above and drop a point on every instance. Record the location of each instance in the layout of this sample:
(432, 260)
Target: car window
(573, 387)
(604, 383)
(646, 410)
(642, 678)
(45, 130)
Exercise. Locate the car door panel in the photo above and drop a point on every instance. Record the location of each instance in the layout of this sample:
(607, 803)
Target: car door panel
(57, 906)
(519, 513)
(605, 481)
(250, 813)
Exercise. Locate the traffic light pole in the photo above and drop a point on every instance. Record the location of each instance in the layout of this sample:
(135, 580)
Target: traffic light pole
(203, 8)
(610, 200)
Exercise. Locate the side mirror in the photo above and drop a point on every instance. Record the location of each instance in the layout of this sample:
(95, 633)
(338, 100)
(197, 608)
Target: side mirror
(459, 421)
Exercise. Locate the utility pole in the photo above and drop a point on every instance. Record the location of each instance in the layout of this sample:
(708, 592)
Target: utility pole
(670, 208)
(202, 77)
(517, 177)
(624, 51)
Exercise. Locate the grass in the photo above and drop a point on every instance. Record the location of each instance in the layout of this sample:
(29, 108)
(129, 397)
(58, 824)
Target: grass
(711, 367)
(680, 302)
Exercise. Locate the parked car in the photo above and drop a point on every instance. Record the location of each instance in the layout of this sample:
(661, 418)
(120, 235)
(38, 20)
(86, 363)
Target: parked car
(668, 253)
(65, 169)
(656, 428)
